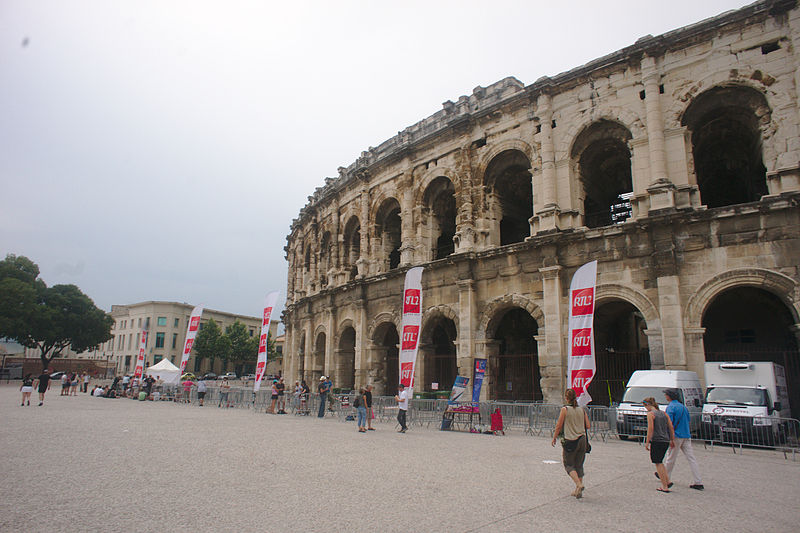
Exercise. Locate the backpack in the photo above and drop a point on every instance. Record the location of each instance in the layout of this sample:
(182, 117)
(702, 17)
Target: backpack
(357, 402)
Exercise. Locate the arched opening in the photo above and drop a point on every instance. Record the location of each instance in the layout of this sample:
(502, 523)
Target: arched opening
(725, 123)
(751, 324)
(440, 202)
(620, 349)
(301, 363)
(440, 365)
(387, 339)
(346, 360)
(602, 161)
(389, 233)
(352, 247)
(324, 258)
(508, 178)
(318, 358)
(515, 369)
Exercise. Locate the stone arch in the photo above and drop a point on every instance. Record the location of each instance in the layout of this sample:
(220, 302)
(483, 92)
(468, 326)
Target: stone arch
(444, 311)
(381, 318)
(386, 227)
(491, 309)
(504, 146)
(633, 297)
(427, 178)
(623, 116)
(782, 286)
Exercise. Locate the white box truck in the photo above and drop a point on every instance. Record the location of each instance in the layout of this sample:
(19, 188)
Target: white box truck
(631, 414)
(745, 402)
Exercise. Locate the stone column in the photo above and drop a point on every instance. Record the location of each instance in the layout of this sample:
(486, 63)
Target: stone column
(695, 350)
(553, 358)
(467, 318)
(661, 190)
(361, 364)
(669, 308)
(655, 346)
(547, 219)
(331, 357)
(407, 236)
(485, 349)
(363, 261)
(375, 367)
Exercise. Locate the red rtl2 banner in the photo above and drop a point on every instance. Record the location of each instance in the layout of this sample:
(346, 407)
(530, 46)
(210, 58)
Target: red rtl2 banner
(261, 365)
(191, 332)
(137, 373)
(581, 365)
(410, 326)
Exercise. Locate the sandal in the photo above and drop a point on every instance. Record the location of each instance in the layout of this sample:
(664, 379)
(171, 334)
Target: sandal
(579, 492)
(659, 489)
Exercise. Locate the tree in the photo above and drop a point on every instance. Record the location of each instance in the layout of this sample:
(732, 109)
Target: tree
(49, 319)
(211, 343)
(244, 347)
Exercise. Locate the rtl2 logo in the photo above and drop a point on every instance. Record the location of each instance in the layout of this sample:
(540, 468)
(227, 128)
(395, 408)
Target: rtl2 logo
(582, 342)
(262, 343)
(583, 302)
(188, 347)
(267, 313)
(407, 374)
(410, 336)
(411, 301)
(580, 379)
(260, 368)
(194, 324)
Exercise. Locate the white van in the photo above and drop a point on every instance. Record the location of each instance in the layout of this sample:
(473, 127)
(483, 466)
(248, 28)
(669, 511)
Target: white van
(631, 414)
(744, 402)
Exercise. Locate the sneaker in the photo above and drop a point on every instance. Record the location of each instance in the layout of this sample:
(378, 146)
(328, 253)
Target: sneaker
(403, 430)
(697, 486)
(40, 404)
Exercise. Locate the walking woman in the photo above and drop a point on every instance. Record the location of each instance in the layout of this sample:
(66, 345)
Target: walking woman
(573, 422)
(660, 438)
(273, 396)
(360, 403)
(26, 388)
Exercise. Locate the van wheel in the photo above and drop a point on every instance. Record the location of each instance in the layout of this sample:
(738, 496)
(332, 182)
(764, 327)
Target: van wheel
(623, 437)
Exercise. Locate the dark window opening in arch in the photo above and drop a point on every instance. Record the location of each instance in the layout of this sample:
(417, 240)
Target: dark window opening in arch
(440, 356)
(301, 359)
(324, 258)
(346, 360)
(352, 247)
(515, 370)
(389, 230)
(440, 198)
(620, 349)
(751, 324)
(604, 166)
(387, 338)
(725, 123)
(318, 358)
(509, 176)
(307, 263)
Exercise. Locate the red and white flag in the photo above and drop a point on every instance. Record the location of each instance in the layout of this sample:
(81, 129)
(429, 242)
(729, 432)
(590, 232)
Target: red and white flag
(261, 365)
(581, 365)
(191, 333)
(411, 323)
(137, 373)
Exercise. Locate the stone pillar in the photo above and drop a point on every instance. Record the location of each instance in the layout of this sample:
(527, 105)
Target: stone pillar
(375, 367)
(552, 356)
(547, 219)
(661, 189)
(464, 238)
(422, 368)
(407, 236)
(695, 350)
(361, 363)
(485, 349)
(467, 325)
(363, 261)
(669, 308)
(655, 346)
(331, 357)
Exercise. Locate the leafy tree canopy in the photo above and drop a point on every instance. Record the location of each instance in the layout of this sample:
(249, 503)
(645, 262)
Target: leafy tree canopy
(47, 318)
(244, 347)
(211, 343)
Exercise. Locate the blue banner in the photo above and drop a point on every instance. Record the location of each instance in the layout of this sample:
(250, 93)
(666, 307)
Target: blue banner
(478, 372)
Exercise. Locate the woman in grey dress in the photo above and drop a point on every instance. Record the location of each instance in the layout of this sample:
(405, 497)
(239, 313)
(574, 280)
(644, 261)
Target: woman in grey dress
(574, 422)
(660, 438)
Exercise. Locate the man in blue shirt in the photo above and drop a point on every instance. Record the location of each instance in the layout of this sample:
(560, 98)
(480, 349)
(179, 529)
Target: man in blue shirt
(679, 414)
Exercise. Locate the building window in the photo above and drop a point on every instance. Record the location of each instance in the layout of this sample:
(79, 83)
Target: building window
(200, 326)
(197, 365)
(174, 340)
(252, 332)
(140, 323)
(162, 321)
(130, 340)
(157, 358)
(127, 362)
(177, 321)
(160, 339)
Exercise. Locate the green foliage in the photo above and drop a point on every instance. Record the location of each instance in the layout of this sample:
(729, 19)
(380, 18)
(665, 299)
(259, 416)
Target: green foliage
(207, 343)
(47, 318)
(244, 347)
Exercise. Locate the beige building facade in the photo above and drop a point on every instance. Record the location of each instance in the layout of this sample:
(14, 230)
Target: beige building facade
(167, 323)
(672, 162)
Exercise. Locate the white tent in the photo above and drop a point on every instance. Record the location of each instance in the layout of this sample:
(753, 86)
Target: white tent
(165, 371)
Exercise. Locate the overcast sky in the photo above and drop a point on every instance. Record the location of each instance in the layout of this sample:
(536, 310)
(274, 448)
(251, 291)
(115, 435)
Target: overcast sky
(160, 150)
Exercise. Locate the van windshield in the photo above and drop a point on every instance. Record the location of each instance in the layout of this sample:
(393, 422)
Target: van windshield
(638, 394)
(736, 396)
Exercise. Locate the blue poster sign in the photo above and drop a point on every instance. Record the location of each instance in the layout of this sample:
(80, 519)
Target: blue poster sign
(458, 390)
(479, 370)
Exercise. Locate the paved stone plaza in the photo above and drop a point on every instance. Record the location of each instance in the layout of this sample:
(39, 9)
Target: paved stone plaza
(91, 464)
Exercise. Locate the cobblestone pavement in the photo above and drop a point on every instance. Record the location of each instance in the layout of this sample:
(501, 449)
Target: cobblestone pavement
(91, 464)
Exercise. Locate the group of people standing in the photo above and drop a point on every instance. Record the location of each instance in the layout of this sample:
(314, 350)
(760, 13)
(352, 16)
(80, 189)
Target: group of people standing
(667, 433)
(70, 382)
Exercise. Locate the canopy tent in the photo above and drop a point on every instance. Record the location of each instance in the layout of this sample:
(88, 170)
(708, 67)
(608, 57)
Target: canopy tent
(165, 371)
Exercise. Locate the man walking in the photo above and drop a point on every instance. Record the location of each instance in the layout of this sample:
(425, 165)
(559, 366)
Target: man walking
(44, 384)
(370, 416)
(679, 415)
(201, 391)
(402, 404)
(323, 393)
(86, 379)
(281, 387)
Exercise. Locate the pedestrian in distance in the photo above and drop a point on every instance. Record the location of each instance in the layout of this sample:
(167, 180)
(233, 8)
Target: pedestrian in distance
(187, 389)
(224, 390)
(402, 407)
(281, 387)
(660, 437)
(64, 384)
(573, 422)
(680, 418)
(201, 391)
(43, 384)
(26, 388)
(360, 403)
(273, 397)
(370, 415)
(73, 384)
(323, 393)
(86, 379)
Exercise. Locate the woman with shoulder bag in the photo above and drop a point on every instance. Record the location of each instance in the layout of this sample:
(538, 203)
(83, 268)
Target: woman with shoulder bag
(573, 422)
(660, 438)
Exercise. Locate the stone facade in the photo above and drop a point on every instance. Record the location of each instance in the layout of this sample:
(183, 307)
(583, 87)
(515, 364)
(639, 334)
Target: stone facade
(673, 162)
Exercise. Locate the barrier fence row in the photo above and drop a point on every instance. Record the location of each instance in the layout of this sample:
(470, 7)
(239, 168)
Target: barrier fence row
(528, 417)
